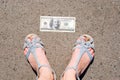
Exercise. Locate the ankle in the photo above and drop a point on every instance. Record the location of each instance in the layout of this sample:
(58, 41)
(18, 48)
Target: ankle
(46, 73)
(69, 75)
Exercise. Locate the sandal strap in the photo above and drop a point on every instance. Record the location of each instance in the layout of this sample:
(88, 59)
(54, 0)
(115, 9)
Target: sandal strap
(77, 75)
(88, 44)
(83, 46)
(32, 45)
(84, 49)
(65, 71)
(53, 72)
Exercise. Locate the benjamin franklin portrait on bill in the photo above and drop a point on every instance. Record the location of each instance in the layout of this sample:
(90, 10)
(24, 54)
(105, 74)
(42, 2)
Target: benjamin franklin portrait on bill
(54, 24)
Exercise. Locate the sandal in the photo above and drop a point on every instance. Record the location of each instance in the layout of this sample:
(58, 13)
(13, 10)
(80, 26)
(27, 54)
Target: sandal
(83, 45)
(32, 45)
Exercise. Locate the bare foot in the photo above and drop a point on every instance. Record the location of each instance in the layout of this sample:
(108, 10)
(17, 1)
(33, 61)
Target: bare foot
(70, 74)
(44, 73)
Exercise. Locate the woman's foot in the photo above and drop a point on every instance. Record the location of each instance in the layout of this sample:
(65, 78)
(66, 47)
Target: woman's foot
(71, 74)
(37, 57)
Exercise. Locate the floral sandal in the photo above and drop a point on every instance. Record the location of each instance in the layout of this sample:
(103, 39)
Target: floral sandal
(84, 47)
(32, 45)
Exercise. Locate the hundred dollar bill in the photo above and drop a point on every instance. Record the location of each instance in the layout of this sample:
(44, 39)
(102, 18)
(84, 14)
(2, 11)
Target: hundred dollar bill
(57, 24)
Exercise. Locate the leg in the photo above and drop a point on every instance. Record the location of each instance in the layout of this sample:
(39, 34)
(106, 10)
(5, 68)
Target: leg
(44, 73)
(70, 74)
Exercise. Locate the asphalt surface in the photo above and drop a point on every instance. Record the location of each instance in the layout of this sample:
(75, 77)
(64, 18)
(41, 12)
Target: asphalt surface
(98, 18)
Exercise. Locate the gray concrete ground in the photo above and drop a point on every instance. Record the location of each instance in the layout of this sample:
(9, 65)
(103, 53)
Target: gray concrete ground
(99, 18)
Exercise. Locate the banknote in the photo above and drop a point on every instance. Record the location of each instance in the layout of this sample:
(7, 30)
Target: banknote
(57, 24)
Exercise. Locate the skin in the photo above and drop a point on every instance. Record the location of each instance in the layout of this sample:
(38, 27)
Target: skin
(46, 73)
(84, 62)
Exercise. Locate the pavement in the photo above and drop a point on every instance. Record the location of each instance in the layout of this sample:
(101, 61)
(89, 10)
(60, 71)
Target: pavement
(98, 18)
